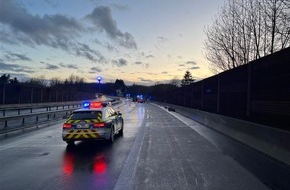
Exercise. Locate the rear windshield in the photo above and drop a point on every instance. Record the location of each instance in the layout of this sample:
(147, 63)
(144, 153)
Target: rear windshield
(86, 115)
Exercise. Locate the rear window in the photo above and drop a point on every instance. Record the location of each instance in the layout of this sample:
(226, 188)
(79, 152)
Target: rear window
(86, 115)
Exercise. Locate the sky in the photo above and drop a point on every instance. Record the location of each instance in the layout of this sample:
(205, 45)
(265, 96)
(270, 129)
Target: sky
(139, 41)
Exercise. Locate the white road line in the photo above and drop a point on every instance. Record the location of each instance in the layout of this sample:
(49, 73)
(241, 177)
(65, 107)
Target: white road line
(124, 181)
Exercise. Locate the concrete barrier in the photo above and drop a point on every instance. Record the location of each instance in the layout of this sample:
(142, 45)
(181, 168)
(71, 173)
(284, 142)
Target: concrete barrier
(271, 141)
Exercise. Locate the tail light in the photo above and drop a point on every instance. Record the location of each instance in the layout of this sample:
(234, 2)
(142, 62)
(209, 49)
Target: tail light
(101, 124)
(67, 126)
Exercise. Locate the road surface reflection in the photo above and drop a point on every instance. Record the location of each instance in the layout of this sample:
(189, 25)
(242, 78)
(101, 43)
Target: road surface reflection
(85, 156)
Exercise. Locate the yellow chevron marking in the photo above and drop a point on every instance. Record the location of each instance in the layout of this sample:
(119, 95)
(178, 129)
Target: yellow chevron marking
(69, 121)
(93, 135)
(84, 134)
(81, 134)
(71, 135)
(78, 136)
(76, 121)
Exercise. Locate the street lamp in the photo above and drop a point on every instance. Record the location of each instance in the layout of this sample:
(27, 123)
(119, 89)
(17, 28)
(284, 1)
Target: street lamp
(99, 79)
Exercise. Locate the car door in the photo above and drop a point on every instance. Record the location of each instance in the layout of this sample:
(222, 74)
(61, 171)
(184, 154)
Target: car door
(116, 118)
(112, 118)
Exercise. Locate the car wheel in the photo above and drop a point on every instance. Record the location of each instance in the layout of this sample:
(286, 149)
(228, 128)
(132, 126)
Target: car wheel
(122, 129)
(112, 135)
(70, 143)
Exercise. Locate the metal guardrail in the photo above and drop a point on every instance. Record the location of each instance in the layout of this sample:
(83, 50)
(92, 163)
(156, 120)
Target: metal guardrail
(31, 107)
(22, 121)
(16, 122)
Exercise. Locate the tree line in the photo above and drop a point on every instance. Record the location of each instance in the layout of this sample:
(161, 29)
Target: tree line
(40, 89)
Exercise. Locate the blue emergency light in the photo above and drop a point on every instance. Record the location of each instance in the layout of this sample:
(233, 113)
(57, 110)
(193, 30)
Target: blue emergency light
(94, 104)
(86, 105)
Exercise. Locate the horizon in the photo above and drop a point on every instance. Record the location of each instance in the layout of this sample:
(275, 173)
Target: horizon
(107, 38)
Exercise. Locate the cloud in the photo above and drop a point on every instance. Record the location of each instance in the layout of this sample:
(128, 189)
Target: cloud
(102, 19)
(51, 67)
(56, 31)
(138, 63)
(69, 66)
(150, 56)
(162, 39)
(46, 30)
(142, 55)
(145, 65)
(144, 80)
(14, 68)
(93, 55)
(95, 69)
(16, 57)
(120, 62)
(53, 4)
(191, 63)
(152, 74)
(111, 47)
(194, 68)
(120, 7)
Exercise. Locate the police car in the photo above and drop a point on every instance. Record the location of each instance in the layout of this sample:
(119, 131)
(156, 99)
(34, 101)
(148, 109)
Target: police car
(95, 121)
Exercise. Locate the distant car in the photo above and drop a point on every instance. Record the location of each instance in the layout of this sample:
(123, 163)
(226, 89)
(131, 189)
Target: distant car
(96, 121)
(140, 100)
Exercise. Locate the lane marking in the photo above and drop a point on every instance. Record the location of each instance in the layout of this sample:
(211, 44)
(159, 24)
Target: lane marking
(124, 181)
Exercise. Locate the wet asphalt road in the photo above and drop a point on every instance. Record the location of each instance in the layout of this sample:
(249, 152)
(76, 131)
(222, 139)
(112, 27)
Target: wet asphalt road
(157, 151)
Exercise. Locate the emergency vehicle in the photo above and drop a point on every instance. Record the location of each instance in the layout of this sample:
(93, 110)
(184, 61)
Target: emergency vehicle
(94, 121)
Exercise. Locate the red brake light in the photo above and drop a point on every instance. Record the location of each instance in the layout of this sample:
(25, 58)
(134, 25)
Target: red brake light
(67, 125)
(99, 124)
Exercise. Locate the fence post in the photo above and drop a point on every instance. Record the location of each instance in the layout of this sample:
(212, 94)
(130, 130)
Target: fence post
(184, 96)
(249, 90)
(31, 95)
(218, 94)
(191, 97)
(201, 105)
(49, 95)
(19, 95)
(3, 101)
(41, 95)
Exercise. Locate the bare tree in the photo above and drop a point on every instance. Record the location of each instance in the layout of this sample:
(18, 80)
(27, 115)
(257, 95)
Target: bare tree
(55, 82)
(73, 79)
(245, 30)
(175, 82)
(38, 81)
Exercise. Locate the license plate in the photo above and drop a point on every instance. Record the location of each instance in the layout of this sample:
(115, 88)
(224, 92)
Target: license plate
(83, 125)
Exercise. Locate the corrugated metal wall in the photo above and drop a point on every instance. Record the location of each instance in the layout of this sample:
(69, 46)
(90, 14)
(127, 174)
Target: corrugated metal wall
(258, 92)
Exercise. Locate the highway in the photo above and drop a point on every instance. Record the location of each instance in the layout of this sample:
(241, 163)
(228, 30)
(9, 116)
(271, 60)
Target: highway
(159, 150)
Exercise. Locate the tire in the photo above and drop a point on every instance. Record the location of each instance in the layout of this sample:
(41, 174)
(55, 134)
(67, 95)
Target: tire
(70, 143)
(112, 135)
(121, 132)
